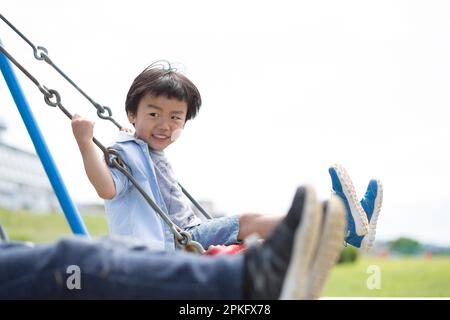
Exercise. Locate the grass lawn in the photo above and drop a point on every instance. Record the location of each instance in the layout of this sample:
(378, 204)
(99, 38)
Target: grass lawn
(48, 227)
(402, 277)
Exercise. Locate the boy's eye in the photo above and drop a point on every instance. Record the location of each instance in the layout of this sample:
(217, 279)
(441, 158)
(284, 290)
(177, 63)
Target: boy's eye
(153, 114)
(176, 118)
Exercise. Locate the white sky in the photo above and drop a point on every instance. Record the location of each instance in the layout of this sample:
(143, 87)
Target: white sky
(288, 88)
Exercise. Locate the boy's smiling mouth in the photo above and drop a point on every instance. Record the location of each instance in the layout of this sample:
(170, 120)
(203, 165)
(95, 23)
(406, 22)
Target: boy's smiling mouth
(159, 137)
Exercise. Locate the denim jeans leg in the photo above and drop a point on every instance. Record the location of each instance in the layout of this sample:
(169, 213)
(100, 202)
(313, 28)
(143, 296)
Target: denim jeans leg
(217, 231)
(109, 270)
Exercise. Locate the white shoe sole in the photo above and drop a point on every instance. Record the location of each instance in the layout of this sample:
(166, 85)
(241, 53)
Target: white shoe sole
(306, 237)
(329, 246)
(357, 211)
(369, 239)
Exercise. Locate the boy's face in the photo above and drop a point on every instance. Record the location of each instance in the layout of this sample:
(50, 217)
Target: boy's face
(158, 119)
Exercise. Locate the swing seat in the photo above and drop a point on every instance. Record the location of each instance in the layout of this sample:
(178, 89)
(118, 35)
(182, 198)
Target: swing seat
(224, 250)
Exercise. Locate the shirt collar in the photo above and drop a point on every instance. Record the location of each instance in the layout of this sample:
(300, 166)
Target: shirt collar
(125, 137)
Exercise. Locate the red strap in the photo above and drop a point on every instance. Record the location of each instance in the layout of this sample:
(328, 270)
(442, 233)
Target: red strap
(221, 249)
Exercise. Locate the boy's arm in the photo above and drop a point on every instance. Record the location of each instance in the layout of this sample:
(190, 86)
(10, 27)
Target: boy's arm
(96, 169)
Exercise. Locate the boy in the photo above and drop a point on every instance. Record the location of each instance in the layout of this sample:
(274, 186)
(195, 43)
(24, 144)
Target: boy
(159, 103)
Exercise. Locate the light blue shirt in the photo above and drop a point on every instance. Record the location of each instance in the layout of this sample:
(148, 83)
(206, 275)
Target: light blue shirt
(128, 212)
(177, 204)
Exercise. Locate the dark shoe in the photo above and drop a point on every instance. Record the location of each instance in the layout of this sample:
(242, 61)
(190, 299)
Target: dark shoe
(293, 239)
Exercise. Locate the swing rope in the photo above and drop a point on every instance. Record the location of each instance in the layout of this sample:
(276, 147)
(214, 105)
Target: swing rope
(112, 157)
(41, 54)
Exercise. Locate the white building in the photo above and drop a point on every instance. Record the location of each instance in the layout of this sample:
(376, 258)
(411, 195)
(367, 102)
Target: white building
(23, 182)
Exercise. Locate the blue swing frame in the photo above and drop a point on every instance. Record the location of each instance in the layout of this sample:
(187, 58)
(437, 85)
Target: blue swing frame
(70, 211)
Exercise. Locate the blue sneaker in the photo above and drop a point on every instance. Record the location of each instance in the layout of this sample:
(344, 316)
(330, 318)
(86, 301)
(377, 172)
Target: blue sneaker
(357, 223)
(371, 204)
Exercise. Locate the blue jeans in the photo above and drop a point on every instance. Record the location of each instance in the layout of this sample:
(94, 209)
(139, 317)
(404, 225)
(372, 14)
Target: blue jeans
(223, 230)
(115, 269)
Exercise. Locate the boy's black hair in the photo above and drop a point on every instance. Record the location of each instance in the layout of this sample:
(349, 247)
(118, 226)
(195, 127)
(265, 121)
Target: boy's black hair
(161, 79)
